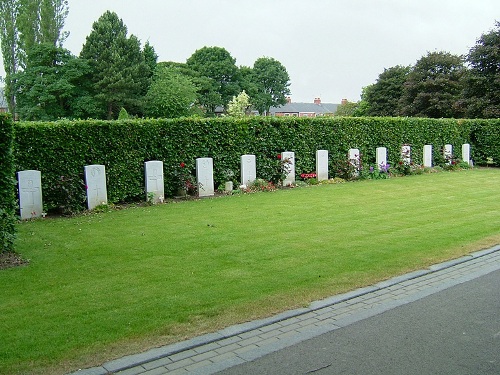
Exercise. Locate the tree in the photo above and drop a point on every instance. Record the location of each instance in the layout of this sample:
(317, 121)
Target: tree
(482, 82)
(239, 105)
(51, 85)
(271, 83)
(349, 109)
(217, 71)
(433, 87)
(119, 71)
(171, 94)
(382, 98)
(9, 36)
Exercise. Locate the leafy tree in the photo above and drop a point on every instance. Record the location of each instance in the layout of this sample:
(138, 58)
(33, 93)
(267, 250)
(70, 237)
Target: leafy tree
(434, 86)
(349, 109)
(271, 82)
(382, 98)
(239, 105)
(9, 36)
(217, 73)
(171, 94)
(119, 71)
(482, 82)
(51, 85)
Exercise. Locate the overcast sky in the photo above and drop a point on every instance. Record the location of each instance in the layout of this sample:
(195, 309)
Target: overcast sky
(331, 49)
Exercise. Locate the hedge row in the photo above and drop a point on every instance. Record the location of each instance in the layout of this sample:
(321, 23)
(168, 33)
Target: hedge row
(7, 184)
(60, 150)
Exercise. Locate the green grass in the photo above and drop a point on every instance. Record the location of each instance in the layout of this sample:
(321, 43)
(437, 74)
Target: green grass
(103, 285)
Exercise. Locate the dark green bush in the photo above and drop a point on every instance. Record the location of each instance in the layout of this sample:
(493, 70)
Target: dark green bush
(7, 185)
(60, 150)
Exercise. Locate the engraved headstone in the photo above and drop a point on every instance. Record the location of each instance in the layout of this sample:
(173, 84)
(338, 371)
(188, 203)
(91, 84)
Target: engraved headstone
(205, 177)
(288, 160)
(448, 153)
(155, 189)
(406, 154)
(322, 165)
(95, 180)
(466, 153)
(248, 170)
(428, 156)
(30, 194)
(381, 158)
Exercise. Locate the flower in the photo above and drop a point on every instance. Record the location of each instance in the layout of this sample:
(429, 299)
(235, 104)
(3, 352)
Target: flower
(279, 156)
(182, 165)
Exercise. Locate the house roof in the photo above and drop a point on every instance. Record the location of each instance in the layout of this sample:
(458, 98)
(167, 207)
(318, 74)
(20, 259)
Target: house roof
(322, 108)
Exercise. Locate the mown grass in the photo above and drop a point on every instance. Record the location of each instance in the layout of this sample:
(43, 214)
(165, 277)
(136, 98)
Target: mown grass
(103, 285)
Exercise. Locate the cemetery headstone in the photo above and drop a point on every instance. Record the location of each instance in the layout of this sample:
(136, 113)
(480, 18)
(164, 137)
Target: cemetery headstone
(155, 187)
(381, 158)
(428, 156)
(448, 153)
(30, 194)
(248, 170)
(355, 160)
(205, 177)
(288, 158)
(95, 180)
(466, 153)
(322, 165)
(406, 154)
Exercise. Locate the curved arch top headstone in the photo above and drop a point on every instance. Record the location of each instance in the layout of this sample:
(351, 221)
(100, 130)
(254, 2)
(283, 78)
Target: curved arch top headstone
(95, 180)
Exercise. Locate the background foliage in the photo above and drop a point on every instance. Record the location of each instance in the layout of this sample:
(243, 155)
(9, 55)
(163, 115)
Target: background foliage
(60, 150)
(7, 184)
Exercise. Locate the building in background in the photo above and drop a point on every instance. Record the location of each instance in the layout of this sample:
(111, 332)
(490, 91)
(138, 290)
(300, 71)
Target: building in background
(314, 109)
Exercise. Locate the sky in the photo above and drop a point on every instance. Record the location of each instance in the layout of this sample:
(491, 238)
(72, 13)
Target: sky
(331, 49)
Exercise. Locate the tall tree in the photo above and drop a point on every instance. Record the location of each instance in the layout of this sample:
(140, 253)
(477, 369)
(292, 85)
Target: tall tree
(51, 85)
(382, 98)
(482, 82)
(272, 83)
(171, 94)
(9, 37)
(118, 66)
(433, 88)
(217, 72)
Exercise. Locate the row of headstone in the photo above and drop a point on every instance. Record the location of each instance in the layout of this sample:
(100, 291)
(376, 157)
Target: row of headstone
(30, 185)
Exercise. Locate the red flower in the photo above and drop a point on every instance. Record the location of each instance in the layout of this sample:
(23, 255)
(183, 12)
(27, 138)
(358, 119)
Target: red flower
(183, 165)
(279, 156)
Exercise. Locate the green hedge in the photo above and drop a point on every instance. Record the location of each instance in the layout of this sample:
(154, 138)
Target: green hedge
(7, 184)
(60, 150)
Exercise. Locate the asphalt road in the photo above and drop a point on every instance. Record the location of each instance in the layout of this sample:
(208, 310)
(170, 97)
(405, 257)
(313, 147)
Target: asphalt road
(455, 331)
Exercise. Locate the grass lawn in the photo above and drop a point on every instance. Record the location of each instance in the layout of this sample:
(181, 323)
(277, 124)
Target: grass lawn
(108, 284)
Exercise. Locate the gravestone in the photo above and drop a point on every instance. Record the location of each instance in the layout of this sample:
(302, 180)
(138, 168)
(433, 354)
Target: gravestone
(428, 156)
(290, 176)
(248, 170)
(466, 153)
(205, 177)
(381, 158)
(322, 165)
(155, 188)
(30, 194)
(355, 160)
(95, 180)
(448, 153)
(406, 154)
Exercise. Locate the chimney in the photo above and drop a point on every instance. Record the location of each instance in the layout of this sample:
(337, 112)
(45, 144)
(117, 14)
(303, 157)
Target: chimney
(288, 99)
(344, 101)
(317, 101)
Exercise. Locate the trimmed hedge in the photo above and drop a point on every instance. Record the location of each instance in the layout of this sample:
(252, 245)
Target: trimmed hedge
(60, 150)
(7, 184)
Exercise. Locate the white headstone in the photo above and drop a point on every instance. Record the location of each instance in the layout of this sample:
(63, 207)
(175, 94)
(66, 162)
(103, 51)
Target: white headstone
(205, 177)
(355, 159)
(322, 165)
(30, 194)
(95, 179)
(289, 158)
(448, 153)
(381, 158)
(466, 153)
(428, 156)
(155, 189)
(406, 154)
(248, 169)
